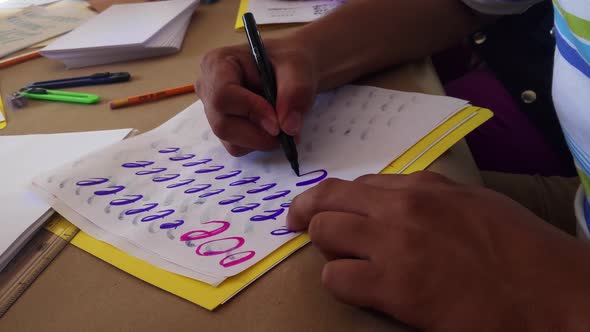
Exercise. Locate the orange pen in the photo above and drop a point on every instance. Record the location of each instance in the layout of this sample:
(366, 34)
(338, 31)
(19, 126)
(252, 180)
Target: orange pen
(151, 96)
(18, 59)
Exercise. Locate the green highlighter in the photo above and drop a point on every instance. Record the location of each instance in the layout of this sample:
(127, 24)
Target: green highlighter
(55, 95)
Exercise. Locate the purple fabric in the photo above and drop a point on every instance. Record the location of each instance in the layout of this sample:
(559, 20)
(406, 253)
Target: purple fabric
(508, 142)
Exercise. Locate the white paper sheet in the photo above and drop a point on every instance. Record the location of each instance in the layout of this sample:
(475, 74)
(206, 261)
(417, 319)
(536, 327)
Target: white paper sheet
(290, 11)
(15, 4)
(23, 157)
(36, 24)
(173, 194)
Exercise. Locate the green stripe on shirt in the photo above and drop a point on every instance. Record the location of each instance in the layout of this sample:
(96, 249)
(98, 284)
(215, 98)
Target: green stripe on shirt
(577, 25)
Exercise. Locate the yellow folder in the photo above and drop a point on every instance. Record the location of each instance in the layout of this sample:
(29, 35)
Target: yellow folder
(241, 11)
(3, 122)
(418, 157)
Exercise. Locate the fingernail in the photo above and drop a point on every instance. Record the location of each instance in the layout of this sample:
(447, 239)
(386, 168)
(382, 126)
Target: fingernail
(292, 123)
(269, 126)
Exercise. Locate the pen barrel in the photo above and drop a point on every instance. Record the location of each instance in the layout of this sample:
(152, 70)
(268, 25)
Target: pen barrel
(288, 146)
(269, 84)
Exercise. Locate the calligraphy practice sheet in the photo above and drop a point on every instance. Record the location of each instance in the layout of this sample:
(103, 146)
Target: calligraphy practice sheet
(176, 199)
(292, 11)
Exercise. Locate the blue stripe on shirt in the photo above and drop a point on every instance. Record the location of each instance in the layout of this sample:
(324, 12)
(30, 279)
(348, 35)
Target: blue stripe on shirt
(580, 157)
(566, 33)
(571, 55)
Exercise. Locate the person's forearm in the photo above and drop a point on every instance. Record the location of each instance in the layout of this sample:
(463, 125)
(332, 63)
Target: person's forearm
(364, 36)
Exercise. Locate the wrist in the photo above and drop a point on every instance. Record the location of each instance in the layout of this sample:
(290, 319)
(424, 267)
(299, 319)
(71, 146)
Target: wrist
(545, 290)
(552, 295)
(335, 61)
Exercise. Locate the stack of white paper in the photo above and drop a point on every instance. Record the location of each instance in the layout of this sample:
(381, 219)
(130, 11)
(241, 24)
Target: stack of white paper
(176, 199)
(125, 32)
(21, 212)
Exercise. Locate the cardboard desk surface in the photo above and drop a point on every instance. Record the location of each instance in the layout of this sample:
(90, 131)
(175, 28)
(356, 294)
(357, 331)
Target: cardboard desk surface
(79, 292)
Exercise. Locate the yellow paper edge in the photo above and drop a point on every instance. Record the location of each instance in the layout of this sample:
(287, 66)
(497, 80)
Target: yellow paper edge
(481, 116)
(211, 297)
(61, 227)
(203, 294)
(241, 11)
(2, 123)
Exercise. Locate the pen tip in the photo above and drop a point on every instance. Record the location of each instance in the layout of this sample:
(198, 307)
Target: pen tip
(296, 169)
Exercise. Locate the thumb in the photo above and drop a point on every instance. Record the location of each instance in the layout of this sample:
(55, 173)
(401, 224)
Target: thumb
(296, 88)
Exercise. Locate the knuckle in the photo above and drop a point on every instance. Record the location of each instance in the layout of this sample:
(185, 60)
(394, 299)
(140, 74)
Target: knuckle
(220, 128)
(217, 102)
(325, 187)
(315, 228)
(296, 201)
(315, 195)
(258, 110)
(366, 178)
(234, 150)
(410, 202)
(427, 177)
(410, 240)
(328, 275)
(300, 89)
(329, 183)
(299, 95)
(199, 88)
(211, 57)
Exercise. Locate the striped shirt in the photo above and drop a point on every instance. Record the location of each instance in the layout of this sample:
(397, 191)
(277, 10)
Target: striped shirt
(571, 71)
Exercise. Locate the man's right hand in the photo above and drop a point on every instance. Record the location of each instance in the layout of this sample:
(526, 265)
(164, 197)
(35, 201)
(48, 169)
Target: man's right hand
(231, 91)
